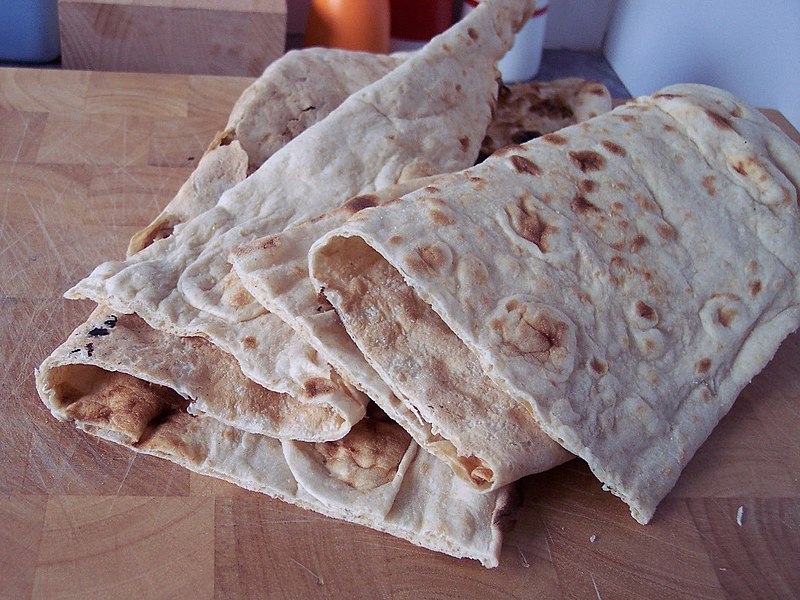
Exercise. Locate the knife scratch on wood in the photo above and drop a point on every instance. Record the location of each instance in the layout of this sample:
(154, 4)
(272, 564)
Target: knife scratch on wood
(285, 521)
(522, 558)
(319, 579)
(594, 583)
(47, 237)
(21, 136)
(547, 543)
(33, 466)
(31, 333)
(125, 476)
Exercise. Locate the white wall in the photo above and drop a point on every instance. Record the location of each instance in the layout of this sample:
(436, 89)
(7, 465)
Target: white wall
(751, 48)
(577, 24)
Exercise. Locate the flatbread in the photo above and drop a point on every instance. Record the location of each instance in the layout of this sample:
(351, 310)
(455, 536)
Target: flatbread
(528, 110)
(622, 279)
(297, 91)
(489, 452)
(119, 386)
(183, 284)
(293, 93)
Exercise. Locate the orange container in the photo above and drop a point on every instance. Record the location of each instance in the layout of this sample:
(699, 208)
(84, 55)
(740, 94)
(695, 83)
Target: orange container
(349, 24)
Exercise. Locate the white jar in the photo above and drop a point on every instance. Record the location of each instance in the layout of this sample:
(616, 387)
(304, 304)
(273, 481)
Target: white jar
(522, 61)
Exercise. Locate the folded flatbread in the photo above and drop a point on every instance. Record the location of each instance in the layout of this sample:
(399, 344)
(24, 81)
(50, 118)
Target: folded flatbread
(499, 445)
(622, 280)
(296, 91)
(185, 399)
(293, 93)
(120, 386)
(428, 115)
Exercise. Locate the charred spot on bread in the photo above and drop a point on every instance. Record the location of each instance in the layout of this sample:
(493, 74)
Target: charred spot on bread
(645, 311)
(359, 203)
(525, 165)
(587, 160)
(318, 386)
(703, 365)
(718, 120)
(554, 138)
(580, 205)
(614, 148)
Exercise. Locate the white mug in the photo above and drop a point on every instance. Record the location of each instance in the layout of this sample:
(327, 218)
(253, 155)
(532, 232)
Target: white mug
(522, 61)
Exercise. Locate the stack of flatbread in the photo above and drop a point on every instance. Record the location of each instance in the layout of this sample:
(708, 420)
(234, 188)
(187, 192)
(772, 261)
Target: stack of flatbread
(339, 310)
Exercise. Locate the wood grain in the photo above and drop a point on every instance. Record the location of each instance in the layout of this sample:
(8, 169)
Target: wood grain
(86, 160)
(172, 36)
(125, 546)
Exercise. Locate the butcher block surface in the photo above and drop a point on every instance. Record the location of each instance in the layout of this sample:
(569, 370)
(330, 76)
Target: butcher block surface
(87, 159)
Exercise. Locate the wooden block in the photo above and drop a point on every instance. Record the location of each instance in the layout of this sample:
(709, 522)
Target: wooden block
(214, 37)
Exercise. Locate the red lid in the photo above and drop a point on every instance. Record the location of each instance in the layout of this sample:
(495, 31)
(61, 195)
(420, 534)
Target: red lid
(420, 19)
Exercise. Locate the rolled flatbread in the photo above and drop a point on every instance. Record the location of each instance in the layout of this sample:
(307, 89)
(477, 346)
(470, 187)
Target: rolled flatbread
(426, 116)
(498, 446)
(622, 279)
(120, 386)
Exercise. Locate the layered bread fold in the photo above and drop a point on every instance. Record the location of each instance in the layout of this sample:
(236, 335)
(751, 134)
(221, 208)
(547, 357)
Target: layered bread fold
(121, 386)
(493, 450)
(620, 281)
(427, 115)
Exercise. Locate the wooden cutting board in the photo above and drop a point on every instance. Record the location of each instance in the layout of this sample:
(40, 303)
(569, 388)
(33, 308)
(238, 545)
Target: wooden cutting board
(86, 159)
